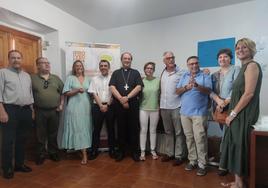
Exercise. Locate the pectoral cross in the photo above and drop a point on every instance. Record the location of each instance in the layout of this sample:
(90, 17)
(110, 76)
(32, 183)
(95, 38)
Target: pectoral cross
(126, 87)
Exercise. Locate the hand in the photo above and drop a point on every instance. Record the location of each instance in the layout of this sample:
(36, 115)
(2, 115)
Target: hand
(59, 108)
(33, 115)
(81, 90)
(126, 105)
(189, 86)
(206, 71)
(124, 100)
(228, 120)
(103, 107)
(219, 108)
(3, 117)
(220, 102)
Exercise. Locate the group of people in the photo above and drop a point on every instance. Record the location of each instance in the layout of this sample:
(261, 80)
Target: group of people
(181, 97)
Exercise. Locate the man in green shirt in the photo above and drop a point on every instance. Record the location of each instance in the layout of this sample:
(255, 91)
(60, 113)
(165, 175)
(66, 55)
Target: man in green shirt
(48, 100)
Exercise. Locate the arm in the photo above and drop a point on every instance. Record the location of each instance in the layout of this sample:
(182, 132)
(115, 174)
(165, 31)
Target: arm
(184, 89)
(60, 107)
(103, 108)
(3, 114)
(202, 89)
(134, 92)
(251, 78)
(74, 92)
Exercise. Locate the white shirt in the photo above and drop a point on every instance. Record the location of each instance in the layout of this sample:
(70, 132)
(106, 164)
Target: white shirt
(100, 86)
(168, 98)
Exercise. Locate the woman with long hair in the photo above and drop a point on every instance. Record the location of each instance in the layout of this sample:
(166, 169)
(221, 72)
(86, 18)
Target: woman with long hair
(77, 130)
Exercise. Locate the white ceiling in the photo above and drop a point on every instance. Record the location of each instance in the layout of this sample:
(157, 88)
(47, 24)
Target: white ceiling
(105, 14)
(19, 21)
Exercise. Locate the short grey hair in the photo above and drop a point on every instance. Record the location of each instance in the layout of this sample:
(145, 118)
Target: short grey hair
(168, 52)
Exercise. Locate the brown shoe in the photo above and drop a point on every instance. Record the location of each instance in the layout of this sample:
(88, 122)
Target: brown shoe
(166, 158)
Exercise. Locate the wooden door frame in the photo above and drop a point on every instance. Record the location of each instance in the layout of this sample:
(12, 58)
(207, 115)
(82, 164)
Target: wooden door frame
(22, 34)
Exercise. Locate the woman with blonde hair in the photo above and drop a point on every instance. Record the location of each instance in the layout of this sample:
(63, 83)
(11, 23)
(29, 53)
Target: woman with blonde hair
(244, 112)
(77, 130)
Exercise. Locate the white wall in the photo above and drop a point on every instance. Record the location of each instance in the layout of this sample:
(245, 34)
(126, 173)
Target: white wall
(68, 27)
(147, 41)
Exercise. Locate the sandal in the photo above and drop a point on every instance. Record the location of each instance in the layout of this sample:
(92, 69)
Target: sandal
(154, 155)
(84, 162)
(142, 157)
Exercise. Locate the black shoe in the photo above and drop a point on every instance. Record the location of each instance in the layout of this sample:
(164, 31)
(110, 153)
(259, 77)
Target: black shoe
(112, 153)
(119, 157)
(54, 157)
(22, 168)
(135, 157)
(93, 155)
(40, 160)
(8, 174)
(166, 158)
(177, 162)
(222, 172)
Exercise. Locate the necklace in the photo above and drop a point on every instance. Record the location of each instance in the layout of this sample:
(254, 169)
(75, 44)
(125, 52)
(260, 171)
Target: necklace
(126, 81)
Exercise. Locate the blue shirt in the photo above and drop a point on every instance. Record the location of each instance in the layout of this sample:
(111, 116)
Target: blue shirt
(193, 102)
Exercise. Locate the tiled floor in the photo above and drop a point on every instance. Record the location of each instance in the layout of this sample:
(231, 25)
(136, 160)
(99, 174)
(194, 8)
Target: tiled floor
(105, 172)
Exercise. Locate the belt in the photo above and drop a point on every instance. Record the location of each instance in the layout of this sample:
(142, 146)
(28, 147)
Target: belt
(41, 108)
(17, 106)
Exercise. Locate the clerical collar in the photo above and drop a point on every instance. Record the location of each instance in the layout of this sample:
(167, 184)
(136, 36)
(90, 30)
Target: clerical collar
(126, 69)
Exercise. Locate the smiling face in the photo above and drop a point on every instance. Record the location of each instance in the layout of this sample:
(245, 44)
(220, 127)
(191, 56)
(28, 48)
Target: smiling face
(243, 52)
(15, 59)
(224, 60)
(193, 65)
(126, 60)
(149, 70)
(78, 68)
(104, 68)
(169, 60)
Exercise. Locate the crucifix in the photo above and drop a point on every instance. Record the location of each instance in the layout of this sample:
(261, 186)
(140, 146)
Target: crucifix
(126, 87)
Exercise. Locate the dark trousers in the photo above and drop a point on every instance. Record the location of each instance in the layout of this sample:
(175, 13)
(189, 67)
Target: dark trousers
(47, 124)
(128, 126)
(98, 119)
(15, 132)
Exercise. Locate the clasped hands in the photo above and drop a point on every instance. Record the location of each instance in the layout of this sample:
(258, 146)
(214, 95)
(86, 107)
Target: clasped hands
(124, 102)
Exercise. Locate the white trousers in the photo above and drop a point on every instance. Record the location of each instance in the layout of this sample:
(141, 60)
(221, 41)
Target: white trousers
(144, 119)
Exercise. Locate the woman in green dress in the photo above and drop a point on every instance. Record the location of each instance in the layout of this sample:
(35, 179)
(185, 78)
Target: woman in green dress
(77, 130)
(244, 112)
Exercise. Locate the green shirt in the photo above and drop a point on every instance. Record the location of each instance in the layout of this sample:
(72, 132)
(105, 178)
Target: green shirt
(150, 94)
(46, 97)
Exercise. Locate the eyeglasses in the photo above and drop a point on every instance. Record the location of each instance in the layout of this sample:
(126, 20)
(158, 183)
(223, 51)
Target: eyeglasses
(169, 58)
(45, 84)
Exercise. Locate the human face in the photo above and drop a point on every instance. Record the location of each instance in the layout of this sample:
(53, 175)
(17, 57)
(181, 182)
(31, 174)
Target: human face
(15, 60)
(104, 68)
(43, 65)
(242, 52)
(149, 70)
(126, 61)
(224, 60)
(193, 65)
(79, 69)
(169, 60)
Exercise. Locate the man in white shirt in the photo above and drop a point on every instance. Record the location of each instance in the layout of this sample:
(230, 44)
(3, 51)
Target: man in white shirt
(102, 109)
(170, 111)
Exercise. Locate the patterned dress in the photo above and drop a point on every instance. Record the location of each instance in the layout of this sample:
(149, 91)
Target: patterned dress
(77, 123)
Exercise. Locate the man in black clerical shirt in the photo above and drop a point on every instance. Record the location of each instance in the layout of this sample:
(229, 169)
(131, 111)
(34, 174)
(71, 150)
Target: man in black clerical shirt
(125, 85)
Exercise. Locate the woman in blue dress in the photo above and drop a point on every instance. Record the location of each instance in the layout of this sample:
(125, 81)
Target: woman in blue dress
(77, 130)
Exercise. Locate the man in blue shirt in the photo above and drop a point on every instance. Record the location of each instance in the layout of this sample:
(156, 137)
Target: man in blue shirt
(194, 88)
